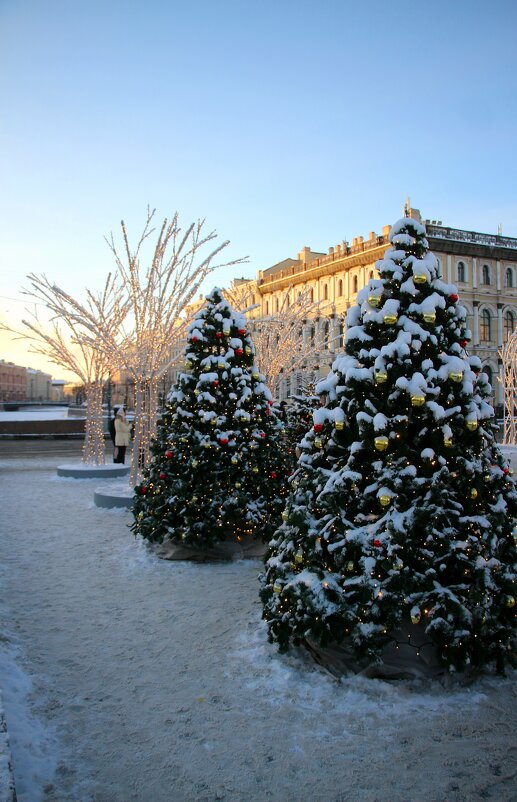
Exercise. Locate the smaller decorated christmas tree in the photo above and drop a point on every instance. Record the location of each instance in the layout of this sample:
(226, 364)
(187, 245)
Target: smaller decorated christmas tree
(218, 470)
(299, 414)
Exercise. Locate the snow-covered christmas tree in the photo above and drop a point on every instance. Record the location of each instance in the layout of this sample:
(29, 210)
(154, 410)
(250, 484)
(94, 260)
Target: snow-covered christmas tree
(299, 414)
(217, 471)
(402, 508)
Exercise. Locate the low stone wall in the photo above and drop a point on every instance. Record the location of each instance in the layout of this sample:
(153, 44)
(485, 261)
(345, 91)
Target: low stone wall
(42, 427)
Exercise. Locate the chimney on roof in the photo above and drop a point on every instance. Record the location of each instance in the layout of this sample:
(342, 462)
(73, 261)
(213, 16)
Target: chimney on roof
(304, 254)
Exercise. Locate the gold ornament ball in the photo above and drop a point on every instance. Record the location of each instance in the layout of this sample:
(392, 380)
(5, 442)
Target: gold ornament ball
(473, 493)
(415, 618)
(197, 391)
(381, 377)
(374, 300)
(140, 516)
(318, 442)
(188, 364)
(194, 499)
(417, 400)
(390, 319)
(213, 422)
(429, 317)
(447, 441)
(285, 516)
(350, 566)
(247, 350)
(235, 461)
(385, 500)
(472, 425)
(340, 425)
(255, 469)
(510, 601)
(195, 463)
(381, 443)
(237, 485)
(420, 278)
(226, 331)
(255, 375)
(220, 365)
(399, 565)
(277, 588)
(298, 557)
(455, 376)
(207, 445)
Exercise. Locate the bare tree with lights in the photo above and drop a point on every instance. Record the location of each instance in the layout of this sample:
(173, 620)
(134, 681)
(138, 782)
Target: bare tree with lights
(146, 344)
(67, 342)
(280, 347)
(508, 355)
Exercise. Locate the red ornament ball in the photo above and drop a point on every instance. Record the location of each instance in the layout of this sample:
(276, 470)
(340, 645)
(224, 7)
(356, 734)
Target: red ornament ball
(273, 474)
(506, 471)
(224, 441)
(463, 343)
(453, 298)
(163, 476)
(377, 543)
(169, 454)
(195, 339)
(242, 331)
(215, 383)
(262, 434)
(318, 427)
(144, 489)
(218, 334)
(238, 352)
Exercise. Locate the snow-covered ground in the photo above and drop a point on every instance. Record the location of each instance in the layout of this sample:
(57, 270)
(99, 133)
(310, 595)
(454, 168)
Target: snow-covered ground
(129, 678)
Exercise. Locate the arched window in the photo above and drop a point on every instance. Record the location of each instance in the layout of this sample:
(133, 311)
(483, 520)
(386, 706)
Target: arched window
(267, 308)
(371, 273)
(509, 277)
(461, 271)
(252, 299)
(485, 275)
(311, 295)
(277, 304)
(355, 284)
(326, 331)
(341, 333)
(509, 324)
(488, 370)
(485, 326)
(325, 292)
(340, 287)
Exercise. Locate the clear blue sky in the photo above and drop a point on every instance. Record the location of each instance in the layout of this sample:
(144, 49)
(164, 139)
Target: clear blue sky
(283, 123)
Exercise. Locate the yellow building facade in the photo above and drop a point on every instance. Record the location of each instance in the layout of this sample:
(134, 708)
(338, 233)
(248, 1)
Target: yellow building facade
(482, 266)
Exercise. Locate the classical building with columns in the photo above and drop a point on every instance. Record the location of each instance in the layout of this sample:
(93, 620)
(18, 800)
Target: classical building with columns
(483, 266)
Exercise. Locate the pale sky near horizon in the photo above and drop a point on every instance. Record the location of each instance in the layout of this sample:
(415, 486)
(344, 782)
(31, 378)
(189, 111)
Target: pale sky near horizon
(284, 124)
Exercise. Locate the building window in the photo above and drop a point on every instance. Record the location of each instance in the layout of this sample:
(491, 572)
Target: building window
(340, 287)
(461, 271)
(326, 331)
(267, 308)
(355, 284)
(325, 292)
(341, 332)
(485, 326)
(485, 275)
(509, 325)
(311, 295)
(371, 274)
(488, 371)
(277, 304)
(509, 277)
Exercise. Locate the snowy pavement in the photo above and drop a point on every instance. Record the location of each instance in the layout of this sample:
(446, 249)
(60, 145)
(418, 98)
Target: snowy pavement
(130, 678)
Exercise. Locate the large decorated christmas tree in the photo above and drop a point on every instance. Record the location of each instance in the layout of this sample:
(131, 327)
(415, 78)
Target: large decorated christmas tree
(217, 471)
(401, 512)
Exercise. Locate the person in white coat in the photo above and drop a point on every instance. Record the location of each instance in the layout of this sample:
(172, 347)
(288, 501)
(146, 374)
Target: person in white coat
(122, 436)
